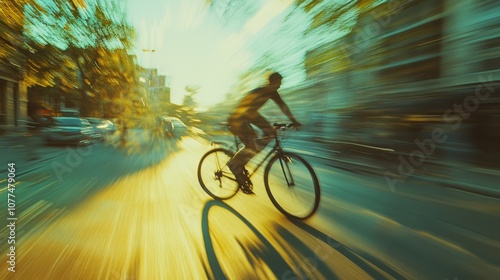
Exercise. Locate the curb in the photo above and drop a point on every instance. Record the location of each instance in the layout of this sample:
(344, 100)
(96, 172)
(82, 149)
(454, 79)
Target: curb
(463, 186)
(471, 188)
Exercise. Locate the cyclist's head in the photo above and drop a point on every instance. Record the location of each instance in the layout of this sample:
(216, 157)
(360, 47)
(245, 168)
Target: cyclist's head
(275, 80)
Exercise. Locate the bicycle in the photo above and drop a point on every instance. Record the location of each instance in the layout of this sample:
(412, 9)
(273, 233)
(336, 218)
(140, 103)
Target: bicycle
(287, 177)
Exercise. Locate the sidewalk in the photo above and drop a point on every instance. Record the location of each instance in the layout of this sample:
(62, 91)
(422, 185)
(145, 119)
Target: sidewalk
(26, 150)
(456, 174)
(478, 180)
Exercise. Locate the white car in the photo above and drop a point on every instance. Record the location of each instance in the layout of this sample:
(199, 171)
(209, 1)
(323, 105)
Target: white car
(180, 128)
(69, 130)
(102, 127)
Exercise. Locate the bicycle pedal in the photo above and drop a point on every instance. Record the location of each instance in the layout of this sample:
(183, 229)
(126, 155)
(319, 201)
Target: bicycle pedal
(248, 192)
(249, 182)
(247, 177)
(247, 188)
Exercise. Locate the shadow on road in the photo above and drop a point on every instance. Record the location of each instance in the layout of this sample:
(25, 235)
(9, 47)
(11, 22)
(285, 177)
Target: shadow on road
(268, 253)
(315, 261)
(365, 262)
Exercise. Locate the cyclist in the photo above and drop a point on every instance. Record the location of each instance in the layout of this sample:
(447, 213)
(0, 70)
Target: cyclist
(245, 115)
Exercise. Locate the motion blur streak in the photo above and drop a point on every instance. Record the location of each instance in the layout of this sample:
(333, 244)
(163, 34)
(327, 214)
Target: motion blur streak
(399, 102)
(147, 226)
(157, 223)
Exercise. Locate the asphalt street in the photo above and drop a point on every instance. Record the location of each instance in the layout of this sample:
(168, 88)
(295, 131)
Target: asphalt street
(100, 212)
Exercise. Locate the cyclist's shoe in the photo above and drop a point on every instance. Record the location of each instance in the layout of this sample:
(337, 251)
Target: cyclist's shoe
(247, 188)
(245, 172)
(241, 175)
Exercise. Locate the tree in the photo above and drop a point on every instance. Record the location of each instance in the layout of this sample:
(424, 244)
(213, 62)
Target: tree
(189, 104)
(12, 47)
(189, 100)
(89, 32)
(337, 14)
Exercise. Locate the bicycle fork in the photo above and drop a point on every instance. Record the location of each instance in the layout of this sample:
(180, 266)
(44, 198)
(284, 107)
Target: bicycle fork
(285, 167)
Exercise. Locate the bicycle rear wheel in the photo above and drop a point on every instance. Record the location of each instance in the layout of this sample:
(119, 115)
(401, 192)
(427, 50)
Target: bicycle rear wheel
(214, 176)
(292, 185)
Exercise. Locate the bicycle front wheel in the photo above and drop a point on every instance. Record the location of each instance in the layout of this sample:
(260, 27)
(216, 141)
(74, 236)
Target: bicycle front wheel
(214, 176)
(292, 185)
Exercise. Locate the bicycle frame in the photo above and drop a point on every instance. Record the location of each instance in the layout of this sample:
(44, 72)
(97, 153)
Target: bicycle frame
(275, 149)
(281, 168)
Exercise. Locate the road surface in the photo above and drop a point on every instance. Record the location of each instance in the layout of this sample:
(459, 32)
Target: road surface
(109, 214)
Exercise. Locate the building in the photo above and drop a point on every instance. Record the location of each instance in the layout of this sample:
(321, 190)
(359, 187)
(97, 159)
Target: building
(406, 64)
(13, 103)
(156, 90)
(13, 93)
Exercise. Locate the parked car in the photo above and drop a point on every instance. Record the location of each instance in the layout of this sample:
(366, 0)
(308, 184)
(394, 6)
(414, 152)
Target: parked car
(108, 126)
(180, 128)
(166, 127)
(102, 127)
(69, 130)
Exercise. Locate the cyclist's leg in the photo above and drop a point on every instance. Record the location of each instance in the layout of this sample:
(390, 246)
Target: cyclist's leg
(243, 130)
(267, 130)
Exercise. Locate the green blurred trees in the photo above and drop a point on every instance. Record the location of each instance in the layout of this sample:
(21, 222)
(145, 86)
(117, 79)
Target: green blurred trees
(327, 14)
(187, 111)
(81, 47)
(189, 98)
(315, 22)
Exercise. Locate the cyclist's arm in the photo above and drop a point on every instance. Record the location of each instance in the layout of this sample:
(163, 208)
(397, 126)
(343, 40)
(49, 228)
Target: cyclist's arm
(284, 108)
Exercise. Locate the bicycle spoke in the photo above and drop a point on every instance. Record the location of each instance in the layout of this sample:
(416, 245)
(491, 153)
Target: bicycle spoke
(295, 201)
(292, 185)
(214, 175)
(286, 171)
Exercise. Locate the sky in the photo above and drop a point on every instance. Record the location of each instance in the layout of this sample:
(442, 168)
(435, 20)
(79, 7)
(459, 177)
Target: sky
(194, 45)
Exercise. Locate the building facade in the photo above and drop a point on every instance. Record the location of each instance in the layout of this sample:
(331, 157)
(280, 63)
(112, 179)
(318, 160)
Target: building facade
(13, 94)
(156, 90)
(408, 66)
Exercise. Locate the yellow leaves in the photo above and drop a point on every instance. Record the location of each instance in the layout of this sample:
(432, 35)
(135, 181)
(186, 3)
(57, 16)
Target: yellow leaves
(365, 4)
(11, 13)
(78, 3)
(308, 5)
(338, 15)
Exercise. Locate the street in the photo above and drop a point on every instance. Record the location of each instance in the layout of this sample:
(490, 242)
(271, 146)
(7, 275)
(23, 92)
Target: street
(102, 213)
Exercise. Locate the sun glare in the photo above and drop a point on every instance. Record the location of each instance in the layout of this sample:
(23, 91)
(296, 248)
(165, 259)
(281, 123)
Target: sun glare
(193, 47)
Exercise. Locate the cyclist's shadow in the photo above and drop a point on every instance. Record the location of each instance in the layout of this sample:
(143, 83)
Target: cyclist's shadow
(273, 259)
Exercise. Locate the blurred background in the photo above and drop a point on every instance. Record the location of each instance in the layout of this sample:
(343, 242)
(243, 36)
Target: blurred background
(377, 73)
(403, 93)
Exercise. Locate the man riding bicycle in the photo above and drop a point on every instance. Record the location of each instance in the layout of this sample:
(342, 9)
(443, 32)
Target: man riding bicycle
(246, 114)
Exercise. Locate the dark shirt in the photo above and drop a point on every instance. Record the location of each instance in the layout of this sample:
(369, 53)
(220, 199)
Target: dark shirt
(254, 100)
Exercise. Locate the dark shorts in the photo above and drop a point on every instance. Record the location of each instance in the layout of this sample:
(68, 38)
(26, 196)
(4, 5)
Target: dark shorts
(242, 127)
